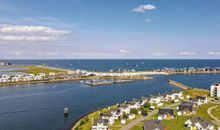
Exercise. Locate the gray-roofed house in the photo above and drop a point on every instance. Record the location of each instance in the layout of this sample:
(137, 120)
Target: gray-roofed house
(124, 108)
(199, 100)
(166, 114)
(185, 108)
(154, 125)
(99, 124)
(198, 124)
(108, 116)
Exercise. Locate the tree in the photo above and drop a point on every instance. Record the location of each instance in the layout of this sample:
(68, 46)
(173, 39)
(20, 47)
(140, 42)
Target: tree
(134, 111)
(147, 105)
(125, 116)
(144, 113)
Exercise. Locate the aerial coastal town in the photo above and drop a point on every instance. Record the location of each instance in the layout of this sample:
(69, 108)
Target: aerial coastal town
(192, 109)
(188, 108)
(20, 74)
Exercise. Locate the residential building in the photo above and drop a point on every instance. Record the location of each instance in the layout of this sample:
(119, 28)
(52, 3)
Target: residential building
(124, 108)
(185, 108)
(166, 114)
(99, 124)
(154, 125)
(215, 90)
(198, 123)
(199, 100)
(108, 116)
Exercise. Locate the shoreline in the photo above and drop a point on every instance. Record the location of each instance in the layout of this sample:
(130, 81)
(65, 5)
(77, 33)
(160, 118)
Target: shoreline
(75, 124)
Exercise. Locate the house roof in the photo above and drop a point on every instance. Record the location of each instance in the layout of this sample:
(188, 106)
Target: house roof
(113, 110)
(185, 107)
(200, 97)
(123, 106)
(99, 121)
(187, 103)
(202, 122)
(108, 114)
(152, 125)
(165, 111)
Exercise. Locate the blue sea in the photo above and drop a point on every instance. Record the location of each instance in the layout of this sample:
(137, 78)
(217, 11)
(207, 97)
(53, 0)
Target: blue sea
(40, 106)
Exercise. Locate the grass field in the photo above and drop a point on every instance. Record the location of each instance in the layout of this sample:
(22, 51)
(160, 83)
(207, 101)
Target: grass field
(196, 92)
(37, 69)
(137, 127)
(216, 112)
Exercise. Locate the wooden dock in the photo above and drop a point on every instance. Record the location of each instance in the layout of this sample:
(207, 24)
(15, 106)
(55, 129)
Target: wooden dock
(179, 85)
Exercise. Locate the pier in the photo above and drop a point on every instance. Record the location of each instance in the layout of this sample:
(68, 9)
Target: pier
(179, 85)
(106, 82)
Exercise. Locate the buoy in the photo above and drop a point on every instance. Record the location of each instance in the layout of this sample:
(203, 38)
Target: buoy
(66, 111)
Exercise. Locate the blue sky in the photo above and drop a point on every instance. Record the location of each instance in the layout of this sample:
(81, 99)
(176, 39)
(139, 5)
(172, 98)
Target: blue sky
(106, 29)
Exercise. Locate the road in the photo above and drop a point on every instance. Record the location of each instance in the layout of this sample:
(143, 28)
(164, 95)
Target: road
(209, 111)
(138, 120)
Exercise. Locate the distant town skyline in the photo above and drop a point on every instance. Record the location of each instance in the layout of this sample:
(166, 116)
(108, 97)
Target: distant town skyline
(109, 29)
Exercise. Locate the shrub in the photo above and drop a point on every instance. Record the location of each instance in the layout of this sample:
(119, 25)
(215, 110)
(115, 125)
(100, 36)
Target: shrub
(147, 105)
(125, 116)
(82, 122)
(134, 111)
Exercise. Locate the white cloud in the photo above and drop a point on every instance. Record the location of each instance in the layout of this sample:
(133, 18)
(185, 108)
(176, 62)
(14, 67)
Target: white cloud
(29, 33)
(25, 38)
(214, 53)
(187, 53)
(159, 54)
(143, 8)
(147, 20)
(124, 51)
(5, 28)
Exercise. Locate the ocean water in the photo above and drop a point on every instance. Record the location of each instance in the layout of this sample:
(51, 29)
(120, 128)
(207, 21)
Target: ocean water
(40, 106)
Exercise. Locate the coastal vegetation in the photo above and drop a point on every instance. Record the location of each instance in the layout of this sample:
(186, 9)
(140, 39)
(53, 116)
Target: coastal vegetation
(36, 69)
(196, 92)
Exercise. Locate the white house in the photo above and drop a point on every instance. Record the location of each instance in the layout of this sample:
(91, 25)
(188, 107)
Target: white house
(42, 74)
(160, 104)
(117, 113)
(125, 109)
(99, 124)
(198, 124)
(52, 74)
(166, 114)
(123, 121)
(108, 116)
(131, 116)
(185, 108)
(15, 79)
(155, 100)
(215, 90)
(133, 104)
(199, 100)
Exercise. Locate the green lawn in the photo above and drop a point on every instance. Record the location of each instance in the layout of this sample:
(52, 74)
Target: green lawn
(37, 69)
(196, 92)
(176, 123)
(202, 111)
(137, 127)
(216, 112)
